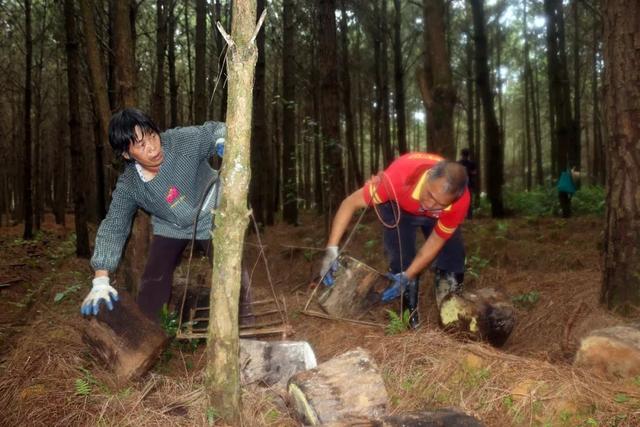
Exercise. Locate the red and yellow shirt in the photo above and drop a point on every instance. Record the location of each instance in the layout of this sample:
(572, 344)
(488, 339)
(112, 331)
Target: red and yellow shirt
(402, 182)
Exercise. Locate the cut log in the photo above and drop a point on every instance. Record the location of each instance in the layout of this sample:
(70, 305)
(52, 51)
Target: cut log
(448, 417)
(485, 314)
(356, 289)
(346, 387)
(611, 352)
(124, 339)
(274, 362)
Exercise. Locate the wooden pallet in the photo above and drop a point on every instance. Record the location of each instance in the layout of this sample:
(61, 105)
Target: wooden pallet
(268, 317)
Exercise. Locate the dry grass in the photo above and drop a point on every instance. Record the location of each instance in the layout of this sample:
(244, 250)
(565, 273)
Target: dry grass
(432, 369)
(38, 387)
(530, 382)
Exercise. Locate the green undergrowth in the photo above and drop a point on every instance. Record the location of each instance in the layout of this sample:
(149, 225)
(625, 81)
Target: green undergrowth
(543, 201)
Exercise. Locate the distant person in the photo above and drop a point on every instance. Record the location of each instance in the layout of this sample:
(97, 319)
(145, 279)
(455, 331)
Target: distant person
(418, 191)
(167, 175)
(566, 189)
(472, 173)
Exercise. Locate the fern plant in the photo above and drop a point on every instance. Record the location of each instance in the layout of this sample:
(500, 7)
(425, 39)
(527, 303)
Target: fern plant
(397, 324)
(82, 386)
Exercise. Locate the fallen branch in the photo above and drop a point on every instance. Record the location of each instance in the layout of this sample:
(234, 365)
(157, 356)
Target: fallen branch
(341, 319)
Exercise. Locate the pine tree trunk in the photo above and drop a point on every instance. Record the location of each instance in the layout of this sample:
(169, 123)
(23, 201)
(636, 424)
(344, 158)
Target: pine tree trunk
(376, 125)
(317, 141)
(26, 192)
(398, 67)
(124, 56)
(76, 132)
(439, 95)
(289, 184)
(330, 106)
(101, 101)
(60, 160)
(158, 112)
(201, 97)
(222, 374)
(356, 173)
(566, 152)
(38, 148)
(493, 141)
(171, 59)
(469, 84)
(260, 146)
(138, 244)
(598, 144)
(577, 97)
(187, 31)
(527, 100)
(621, 281)
(385, 132)
(277, 152)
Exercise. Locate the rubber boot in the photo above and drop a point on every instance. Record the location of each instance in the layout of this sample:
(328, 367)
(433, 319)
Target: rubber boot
(446, 283)
(410, 302)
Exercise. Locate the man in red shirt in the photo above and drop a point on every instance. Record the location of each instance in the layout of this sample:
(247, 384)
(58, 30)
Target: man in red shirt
(418, 190)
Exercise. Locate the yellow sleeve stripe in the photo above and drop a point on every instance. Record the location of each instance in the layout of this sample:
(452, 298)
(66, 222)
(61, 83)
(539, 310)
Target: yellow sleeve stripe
(373, 190)
(444, 229)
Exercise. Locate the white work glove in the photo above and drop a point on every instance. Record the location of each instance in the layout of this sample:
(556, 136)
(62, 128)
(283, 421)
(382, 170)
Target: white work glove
(101, 291)
(329, 265)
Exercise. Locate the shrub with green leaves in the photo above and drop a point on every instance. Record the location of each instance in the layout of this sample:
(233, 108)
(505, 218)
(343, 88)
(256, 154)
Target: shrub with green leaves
(543, 201)
(526, 300)
(169, 321)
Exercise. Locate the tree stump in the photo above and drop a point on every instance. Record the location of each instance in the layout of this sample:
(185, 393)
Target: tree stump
(124, 339)
(612, 352)
(448, 417)
(346, 387)
(356, 289)
(274, 362)
(484, 314)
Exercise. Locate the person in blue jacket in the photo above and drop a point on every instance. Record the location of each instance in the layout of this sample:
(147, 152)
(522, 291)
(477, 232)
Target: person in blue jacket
(566, 189)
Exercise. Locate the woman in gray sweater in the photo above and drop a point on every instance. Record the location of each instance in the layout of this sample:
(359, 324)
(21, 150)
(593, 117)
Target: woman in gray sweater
(166, 174)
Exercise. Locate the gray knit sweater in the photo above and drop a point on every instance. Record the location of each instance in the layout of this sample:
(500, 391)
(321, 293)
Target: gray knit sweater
(171, 197)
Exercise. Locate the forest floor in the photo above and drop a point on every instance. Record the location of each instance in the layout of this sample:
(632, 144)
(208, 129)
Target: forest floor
(550, 267)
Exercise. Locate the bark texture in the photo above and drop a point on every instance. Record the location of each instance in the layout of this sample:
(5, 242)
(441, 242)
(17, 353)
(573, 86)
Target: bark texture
(222, 374)
(78, 178)
(334, 185)
(100, 100)
(124, 56)
(201, 62)
(493, 136)
(289, 184)
(621, 276)
(438, 92)
(261, 178)
(124, 339)
(26, 189)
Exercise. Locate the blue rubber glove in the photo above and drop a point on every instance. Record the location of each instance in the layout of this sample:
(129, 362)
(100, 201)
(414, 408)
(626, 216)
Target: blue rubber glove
(399, 283)
(329, 265)
(220, 147)
(101, 291)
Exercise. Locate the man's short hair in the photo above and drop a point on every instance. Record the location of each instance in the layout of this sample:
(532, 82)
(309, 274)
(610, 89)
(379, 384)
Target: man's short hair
(464, 152)
(122, 128)
(455, 176)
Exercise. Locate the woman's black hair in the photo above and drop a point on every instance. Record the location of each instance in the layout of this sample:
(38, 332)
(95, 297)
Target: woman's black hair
(122, 128)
